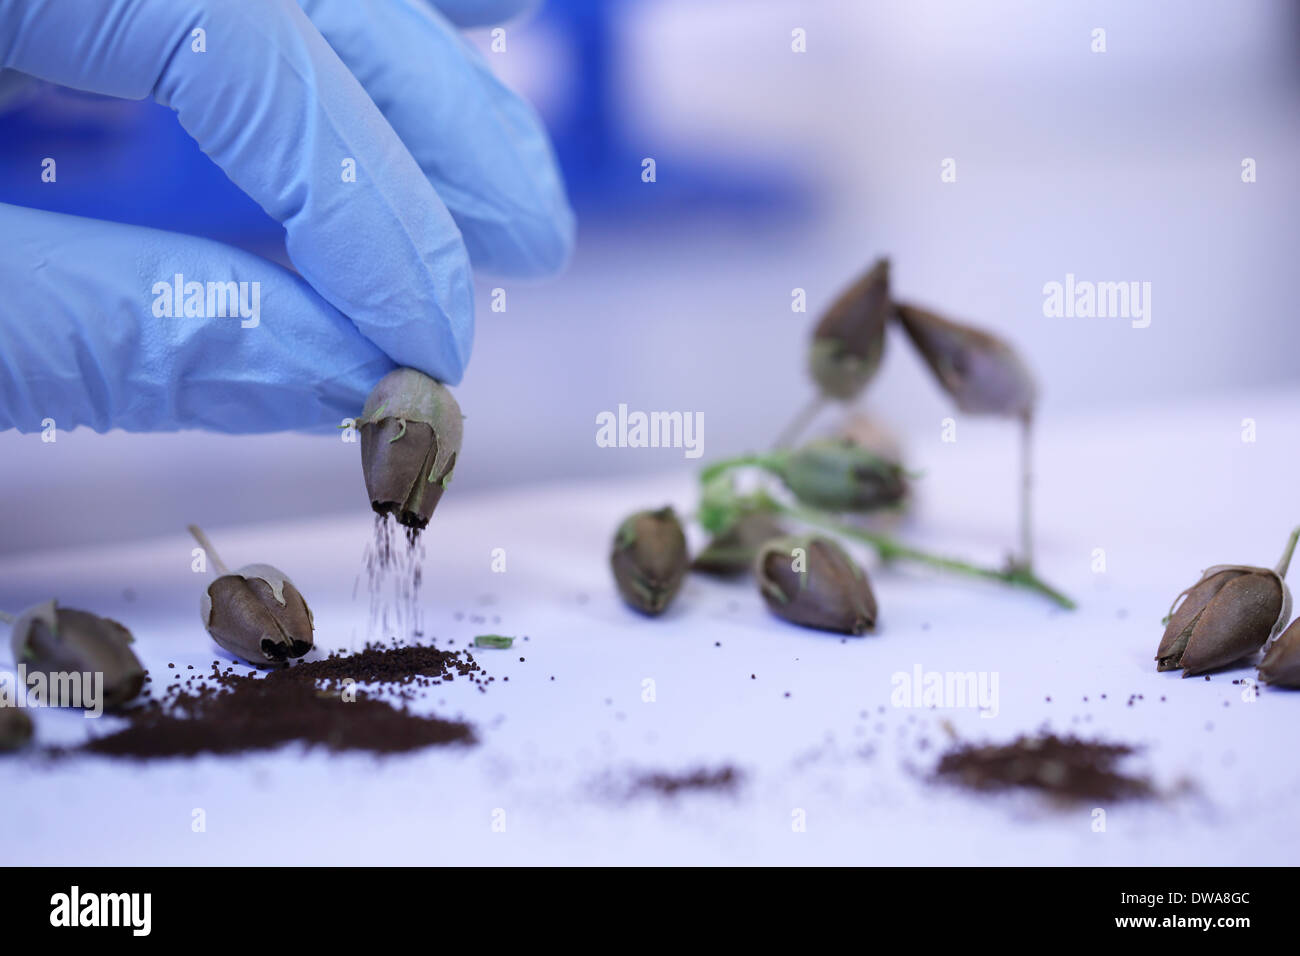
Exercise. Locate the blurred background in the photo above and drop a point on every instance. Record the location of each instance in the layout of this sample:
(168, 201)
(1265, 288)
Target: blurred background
(776, 170)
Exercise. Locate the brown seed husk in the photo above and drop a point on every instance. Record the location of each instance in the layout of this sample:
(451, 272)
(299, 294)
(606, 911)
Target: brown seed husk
(732, 552)
(982, 372)
(50, 639)
(1281, 663)
(829, 593)
(252, 618)
(849, 340)
(649, 560)
(411, 430)
(1237, 622)
(1230, 613)
(1181, 620)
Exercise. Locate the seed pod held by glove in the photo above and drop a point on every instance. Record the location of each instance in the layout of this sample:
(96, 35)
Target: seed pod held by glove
(51, 640)
(649, 560)
(810, 581)
(255, 612)
(411, 430)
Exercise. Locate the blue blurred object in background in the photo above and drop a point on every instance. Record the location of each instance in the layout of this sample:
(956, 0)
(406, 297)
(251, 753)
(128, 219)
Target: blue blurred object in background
(156, 174)
(597, 149)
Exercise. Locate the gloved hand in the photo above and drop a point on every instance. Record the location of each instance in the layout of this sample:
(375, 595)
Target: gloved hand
(449, 166)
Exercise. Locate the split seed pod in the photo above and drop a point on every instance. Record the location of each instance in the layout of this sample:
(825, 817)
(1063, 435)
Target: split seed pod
(836, 474)
(1281, 663)
(849, 340)
(982, 372)
(255, 612)
(810, 581)
(15, 728)
(649, 559)
(1231, 612)
(411, 430)
(52, 640)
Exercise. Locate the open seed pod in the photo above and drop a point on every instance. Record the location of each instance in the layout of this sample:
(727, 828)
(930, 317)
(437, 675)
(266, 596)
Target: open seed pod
(849, 340)
(1230, 613)
(982, 372)
(411, 430)
(53, 640)
(258, 615)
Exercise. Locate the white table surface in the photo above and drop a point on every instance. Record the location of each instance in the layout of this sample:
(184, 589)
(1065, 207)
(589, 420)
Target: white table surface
(1165, 492)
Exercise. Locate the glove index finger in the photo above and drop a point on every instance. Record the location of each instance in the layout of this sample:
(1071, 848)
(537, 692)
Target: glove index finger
(267, 99)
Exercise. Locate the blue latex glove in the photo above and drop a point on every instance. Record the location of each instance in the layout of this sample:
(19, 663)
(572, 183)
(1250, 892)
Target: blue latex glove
(449, 165)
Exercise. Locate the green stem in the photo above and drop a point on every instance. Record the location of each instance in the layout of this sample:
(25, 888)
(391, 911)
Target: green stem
(891, 550)
(727, 464)
(1285, 562)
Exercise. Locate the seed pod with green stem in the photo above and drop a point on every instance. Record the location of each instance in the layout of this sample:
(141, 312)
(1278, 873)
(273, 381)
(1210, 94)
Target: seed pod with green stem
(411, 430)
(1230, 613)
(809, 580)
(53, 640)
(254, 612)
(649, 560)
(721, 504)
(830, 474)
(984, 375)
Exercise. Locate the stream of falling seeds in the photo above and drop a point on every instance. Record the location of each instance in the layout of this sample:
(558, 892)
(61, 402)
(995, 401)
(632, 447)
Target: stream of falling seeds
(394, 566)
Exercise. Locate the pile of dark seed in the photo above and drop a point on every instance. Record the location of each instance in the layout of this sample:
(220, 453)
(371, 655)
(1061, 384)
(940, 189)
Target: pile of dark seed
(1065, 767)
(397, 665)
(722, 780)
(226, 713)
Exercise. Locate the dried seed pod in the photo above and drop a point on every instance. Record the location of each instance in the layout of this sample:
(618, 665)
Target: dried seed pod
(836, 474)
(849, 341)
(982, 372)
(255, 612)
(53, 640)
(1231, 612)
(810, 581)
(411, 431)
(15, 728)
(732, 552)
(1281, 663)
(649, 559)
